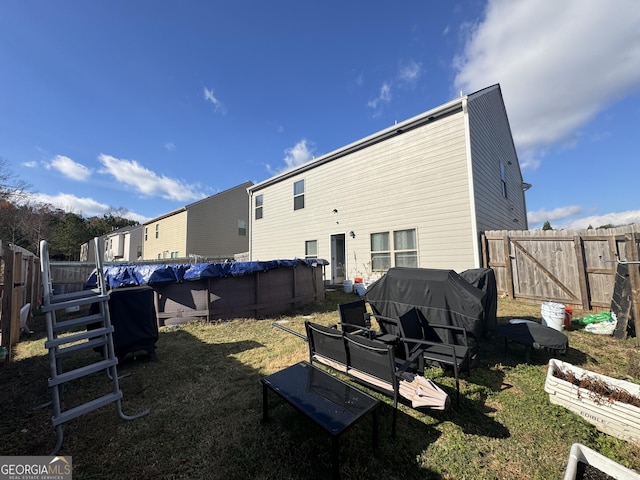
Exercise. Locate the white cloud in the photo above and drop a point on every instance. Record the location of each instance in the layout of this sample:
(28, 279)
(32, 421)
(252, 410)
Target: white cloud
(70, 203)
(84, 206)
(170, 146)
(384, 96)
(563, 218)
(300, 153)
(148, 183)
(541, 216)
(69, 168)
(559, 64)
(210, 97)
(30, 164)
(616, 219)
(408, 75)
(410, 72)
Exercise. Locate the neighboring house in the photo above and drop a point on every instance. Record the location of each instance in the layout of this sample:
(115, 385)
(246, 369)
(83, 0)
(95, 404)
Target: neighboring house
(87, 251)
(121, 245)
(417, 194)
(214, 227)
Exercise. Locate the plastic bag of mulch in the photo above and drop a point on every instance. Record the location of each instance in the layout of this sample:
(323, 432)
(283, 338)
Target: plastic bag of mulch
(593, 318)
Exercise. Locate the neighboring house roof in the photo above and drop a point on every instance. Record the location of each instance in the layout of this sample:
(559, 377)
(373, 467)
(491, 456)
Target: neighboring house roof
(122, 230)
(165, 215)
(186, 207)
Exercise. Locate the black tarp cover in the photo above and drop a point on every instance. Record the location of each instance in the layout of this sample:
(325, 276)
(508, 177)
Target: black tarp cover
(133, 316)
(148, 274)
(443, 297)
(485, 280)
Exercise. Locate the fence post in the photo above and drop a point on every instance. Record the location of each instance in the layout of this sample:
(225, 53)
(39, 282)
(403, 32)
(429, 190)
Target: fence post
(634, 279)
(484, 250)
(506, 243)
(583, 279)
(7, 296)
(17, 284)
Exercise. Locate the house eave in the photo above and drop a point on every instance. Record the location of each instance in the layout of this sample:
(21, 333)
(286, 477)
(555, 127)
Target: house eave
(429, 116)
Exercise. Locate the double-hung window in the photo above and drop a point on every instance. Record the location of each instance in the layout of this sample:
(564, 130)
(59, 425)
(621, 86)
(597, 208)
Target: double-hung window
(258, 207)
(380, 252)
(311, 249)
(404, 248)
(298, 195)
(397, 248)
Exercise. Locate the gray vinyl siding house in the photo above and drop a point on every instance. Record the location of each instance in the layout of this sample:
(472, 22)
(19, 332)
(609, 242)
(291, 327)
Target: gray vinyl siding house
(214, 227)
(416, 194)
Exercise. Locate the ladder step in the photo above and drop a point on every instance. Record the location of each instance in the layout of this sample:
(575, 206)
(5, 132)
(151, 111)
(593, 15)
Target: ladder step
(86, 408)
(82, 371)
(64, 297)
(56, 342)
(77, 322)
(75, 299)
(95, 343)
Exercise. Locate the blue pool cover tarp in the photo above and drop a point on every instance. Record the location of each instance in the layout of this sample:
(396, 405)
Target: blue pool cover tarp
(134, 275)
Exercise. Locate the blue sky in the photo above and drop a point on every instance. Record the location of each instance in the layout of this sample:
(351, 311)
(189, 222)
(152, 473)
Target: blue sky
(148, 106)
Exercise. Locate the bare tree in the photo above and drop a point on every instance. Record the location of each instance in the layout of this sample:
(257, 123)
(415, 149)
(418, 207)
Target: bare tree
(11, 187)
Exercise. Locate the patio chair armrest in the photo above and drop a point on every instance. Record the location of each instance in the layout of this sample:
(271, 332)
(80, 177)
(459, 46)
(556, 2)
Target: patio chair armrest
(382, 321)
(418, 351)
(386, 319)
(453, 328)
(370, 333)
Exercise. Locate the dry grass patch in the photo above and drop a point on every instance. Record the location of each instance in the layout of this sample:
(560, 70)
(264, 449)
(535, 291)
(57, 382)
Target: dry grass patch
(205, 421)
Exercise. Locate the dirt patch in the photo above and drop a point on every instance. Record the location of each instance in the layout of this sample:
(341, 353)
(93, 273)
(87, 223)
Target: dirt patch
(589, 472)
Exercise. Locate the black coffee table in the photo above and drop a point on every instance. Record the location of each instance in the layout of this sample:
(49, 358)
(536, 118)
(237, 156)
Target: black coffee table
(328, 401)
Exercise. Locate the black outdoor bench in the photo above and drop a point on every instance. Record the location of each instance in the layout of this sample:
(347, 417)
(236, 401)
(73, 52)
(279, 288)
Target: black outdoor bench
(373, 364)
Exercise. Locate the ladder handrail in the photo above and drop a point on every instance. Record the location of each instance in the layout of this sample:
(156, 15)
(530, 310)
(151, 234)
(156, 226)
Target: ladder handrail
(101, 335)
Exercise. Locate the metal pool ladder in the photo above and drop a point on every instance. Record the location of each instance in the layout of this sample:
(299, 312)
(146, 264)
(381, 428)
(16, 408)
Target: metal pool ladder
(67, 338)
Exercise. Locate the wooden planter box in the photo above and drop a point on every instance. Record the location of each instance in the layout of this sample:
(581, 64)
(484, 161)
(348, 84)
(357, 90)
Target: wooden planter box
(618, 419)
(581, 454)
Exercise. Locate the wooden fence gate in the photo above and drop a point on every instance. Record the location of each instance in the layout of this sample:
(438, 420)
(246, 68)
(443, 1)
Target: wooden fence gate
(571, 267)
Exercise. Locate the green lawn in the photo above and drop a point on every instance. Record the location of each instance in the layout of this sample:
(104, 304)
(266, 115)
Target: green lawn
(205, 400)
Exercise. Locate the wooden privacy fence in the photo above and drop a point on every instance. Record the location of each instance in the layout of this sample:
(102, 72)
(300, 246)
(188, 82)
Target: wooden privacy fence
(70, 276)
(20, 276)
(571, 267)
